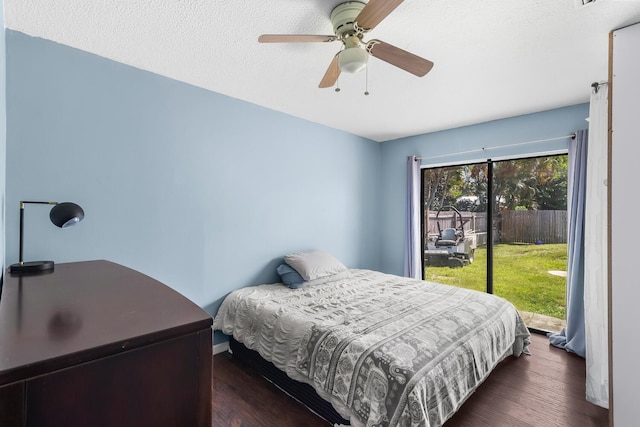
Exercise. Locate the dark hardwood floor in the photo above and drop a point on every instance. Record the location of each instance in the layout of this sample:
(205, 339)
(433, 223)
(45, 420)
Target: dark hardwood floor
(544, 389)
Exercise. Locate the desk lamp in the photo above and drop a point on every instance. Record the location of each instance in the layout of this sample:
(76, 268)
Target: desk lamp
(63, 215)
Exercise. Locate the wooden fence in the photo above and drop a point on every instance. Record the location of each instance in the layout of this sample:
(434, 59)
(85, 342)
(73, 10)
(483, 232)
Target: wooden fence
(532, 227)
(510, 226)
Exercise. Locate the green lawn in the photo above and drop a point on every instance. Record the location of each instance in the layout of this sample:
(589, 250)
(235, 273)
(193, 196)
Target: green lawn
(520, 275)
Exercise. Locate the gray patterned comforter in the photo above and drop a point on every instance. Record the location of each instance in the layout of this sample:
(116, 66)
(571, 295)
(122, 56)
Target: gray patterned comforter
(385, 350)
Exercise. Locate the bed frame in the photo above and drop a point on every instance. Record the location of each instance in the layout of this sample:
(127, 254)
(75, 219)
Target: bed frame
(302, 392)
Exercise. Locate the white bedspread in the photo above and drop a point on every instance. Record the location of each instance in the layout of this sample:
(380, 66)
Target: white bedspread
(384, 350)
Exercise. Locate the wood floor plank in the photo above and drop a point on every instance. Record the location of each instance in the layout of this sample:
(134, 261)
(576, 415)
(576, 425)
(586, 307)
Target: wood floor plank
(545, 389)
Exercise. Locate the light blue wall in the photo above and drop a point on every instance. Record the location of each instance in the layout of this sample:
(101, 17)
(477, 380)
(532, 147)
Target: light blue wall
(201, 191)
(531, 127)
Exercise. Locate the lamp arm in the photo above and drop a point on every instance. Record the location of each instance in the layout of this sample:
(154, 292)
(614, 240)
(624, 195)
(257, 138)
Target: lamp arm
(38, 203)
(22, 202)
(21, 231)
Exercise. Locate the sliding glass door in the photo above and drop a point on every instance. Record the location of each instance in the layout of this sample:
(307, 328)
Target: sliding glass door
(530, 238)
(501, 227)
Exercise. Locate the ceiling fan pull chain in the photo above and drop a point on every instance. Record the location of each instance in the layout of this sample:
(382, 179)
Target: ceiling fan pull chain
(337, 85)
(366, 81)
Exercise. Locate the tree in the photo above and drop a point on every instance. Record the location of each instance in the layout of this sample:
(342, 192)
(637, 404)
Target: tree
(475, 184)
(552, 184)
(538, 183)
(530, 184)
(439, 186)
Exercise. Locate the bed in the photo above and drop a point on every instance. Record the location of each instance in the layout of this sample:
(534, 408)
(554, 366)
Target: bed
(384, 350)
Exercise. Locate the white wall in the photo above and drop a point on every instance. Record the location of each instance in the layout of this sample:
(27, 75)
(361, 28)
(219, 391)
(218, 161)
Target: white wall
(625, 289)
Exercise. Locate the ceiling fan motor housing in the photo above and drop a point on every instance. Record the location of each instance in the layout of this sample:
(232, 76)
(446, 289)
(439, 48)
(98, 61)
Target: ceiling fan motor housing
(343, 17)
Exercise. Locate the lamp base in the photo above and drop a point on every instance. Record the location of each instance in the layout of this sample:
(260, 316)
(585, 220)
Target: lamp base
(31, 267)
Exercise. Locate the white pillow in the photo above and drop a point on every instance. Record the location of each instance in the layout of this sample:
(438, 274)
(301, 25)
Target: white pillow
(314, 265)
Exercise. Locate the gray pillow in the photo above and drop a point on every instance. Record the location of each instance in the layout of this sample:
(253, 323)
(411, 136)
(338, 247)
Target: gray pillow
(314, 265)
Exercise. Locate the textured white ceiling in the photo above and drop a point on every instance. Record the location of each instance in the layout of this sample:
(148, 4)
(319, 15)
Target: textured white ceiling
(493, 58)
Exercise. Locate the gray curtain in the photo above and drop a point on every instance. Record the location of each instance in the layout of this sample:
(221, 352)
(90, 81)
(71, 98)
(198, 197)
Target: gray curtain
(412, 243)
(572, 338)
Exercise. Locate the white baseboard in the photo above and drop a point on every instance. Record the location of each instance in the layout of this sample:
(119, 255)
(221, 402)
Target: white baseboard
(221, 348)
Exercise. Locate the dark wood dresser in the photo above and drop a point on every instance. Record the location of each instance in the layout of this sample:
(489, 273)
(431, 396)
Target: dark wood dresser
(98, 344)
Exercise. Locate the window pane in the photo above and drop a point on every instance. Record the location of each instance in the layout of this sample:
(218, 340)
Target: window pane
(454, 225)
(530, 238)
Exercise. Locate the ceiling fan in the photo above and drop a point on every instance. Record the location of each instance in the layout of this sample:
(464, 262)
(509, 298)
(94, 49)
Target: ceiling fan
(351, 21)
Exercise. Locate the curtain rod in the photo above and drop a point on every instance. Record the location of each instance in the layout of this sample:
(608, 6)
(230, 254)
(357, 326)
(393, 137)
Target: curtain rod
(596, 85)
(483, 149)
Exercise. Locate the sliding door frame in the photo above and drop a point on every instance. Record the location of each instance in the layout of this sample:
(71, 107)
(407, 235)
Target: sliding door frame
(489, 225)
(490, 201)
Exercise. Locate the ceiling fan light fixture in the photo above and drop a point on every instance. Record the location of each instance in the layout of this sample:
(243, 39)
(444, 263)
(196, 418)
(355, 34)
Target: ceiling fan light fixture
(353, 59)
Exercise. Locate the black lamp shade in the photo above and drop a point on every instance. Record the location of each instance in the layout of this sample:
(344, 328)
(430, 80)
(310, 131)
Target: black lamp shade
(66, 214)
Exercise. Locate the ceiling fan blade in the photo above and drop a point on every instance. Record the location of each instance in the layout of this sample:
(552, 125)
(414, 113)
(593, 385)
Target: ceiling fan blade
(331, 76)
(400, 58)
(374, 12)
(294, 38)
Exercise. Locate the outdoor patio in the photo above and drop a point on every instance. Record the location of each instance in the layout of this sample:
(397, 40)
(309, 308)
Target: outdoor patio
(542, 322)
